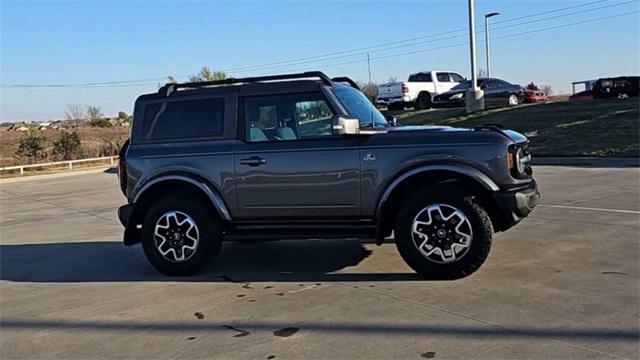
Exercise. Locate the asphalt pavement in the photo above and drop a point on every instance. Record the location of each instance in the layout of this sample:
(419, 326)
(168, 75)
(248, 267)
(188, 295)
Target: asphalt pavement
(562, 284)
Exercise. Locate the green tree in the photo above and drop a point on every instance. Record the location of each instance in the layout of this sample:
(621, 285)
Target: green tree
(67, 145)
(32, 144)
(207, 74)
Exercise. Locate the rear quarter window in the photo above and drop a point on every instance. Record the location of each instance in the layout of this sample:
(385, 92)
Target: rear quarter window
(183, 119)
(421, 77)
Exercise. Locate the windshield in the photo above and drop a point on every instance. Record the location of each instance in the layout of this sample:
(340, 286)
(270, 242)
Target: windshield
(358, 106)
(466, 84)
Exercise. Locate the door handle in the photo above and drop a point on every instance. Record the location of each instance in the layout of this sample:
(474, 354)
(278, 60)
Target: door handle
(253, 161)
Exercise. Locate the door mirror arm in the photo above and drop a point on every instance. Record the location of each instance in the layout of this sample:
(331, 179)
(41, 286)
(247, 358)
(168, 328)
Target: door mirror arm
(391, 120)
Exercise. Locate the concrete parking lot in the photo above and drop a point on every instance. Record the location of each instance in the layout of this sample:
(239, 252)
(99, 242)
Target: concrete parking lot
(562, 284)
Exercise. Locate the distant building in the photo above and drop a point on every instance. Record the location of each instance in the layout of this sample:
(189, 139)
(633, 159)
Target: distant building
(588, 85)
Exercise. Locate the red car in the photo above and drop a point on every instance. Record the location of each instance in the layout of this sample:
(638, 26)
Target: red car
(531, 96)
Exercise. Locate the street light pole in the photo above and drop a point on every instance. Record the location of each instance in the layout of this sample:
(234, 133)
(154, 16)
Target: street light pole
(474, 99)
(486, 40)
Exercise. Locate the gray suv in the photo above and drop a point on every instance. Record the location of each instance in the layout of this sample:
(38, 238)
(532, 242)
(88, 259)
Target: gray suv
(304, 156)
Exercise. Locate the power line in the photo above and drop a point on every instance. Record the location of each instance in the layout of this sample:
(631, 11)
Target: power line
(411, 39)
(348, 53)
(313, 60)
(420, 51)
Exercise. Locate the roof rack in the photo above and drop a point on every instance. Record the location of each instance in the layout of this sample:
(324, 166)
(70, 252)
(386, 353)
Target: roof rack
(346, 80)
(168, 88)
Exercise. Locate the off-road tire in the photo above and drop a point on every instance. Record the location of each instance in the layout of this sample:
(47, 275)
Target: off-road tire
(478, 219)
(209, 230)
(423, 102)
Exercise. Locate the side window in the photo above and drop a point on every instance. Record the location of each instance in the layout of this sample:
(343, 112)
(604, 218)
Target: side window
(288, 117)
(456, 78)
(420, 77)
(314, 118)
(183, 119)
(443, 77)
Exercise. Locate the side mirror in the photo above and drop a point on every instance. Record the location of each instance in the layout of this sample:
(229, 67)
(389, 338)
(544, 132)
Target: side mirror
(391, 120)
(344, 125)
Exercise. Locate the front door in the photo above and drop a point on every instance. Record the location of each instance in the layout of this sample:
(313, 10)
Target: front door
(291, 165)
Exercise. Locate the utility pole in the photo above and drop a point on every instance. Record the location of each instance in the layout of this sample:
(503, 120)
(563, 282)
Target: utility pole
(487, 40)
(474, 99)
(369, 65)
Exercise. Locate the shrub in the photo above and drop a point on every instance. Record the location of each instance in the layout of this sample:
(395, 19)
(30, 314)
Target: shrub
(67, 145)
(32, 144)
(103, 123)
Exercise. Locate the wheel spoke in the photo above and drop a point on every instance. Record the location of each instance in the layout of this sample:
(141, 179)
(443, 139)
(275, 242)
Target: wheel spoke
(176, 236)
(442, 233)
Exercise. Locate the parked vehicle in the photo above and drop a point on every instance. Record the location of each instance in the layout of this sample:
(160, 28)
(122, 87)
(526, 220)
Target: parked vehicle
(534, 96)
(496, 93)
(622, 86)
(311, 157)
(418, 91)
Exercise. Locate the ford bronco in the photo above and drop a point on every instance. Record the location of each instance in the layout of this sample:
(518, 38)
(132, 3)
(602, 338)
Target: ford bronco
(304, 156)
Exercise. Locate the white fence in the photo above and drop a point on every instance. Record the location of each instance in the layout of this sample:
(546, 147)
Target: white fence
(68, 163)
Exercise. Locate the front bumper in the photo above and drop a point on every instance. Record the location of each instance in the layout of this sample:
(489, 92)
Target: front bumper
(438, 103)
(516, 203)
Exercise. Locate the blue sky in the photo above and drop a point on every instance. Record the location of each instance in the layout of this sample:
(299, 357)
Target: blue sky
(63, 42)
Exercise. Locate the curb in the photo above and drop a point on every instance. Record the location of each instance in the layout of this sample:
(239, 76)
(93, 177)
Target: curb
(55, 175)
(587, 161)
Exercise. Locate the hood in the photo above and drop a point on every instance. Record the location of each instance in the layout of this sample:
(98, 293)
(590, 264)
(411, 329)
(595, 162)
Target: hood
(427, 128)
(510, 134)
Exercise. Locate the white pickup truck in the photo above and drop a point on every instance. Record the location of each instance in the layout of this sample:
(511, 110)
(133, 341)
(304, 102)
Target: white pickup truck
(418, 91)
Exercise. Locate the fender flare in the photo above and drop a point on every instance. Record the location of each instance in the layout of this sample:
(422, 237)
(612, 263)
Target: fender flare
(212, 194)
(461, 169)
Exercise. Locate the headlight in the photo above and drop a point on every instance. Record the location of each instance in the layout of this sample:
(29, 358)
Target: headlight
(520, 161)
(456, 96)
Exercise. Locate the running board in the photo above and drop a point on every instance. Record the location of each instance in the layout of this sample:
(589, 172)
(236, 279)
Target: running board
(257, 231)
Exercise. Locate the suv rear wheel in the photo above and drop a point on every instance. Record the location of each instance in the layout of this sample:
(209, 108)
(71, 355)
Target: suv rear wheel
(180, 235)
(443, 234)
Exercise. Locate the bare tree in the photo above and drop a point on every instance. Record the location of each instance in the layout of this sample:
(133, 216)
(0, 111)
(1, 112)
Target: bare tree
(392, 79)
(370, 90)
(482, 73)
(94, 113)
(547, 89)
(74, 112)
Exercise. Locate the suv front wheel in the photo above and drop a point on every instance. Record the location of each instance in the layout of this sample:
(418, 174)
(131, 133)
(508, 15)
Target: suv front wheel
(180, 235)
(443, 234)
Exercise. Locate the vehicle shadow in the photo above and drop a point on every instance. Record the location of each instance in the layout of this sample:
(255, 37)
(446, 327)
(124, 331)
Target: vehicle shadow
(103, 261)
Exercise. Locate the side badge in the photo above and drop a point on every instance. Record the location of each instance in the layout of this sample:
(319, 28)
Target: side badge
(368, 156)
